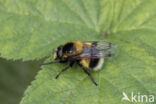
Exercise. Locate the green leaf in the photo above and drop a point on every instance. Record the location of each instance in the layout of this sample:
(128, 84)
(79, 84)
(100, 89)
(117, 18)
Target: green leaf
(31, 29)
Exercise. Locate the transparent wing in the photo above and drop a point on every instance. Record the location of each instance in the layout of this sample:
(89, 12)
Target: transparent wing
(105, 49)
(98, 50)
(102, 45)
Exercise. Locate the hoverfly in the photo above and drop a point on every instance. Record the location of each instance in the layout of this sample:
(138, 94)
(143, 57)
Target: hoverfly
(88, 55)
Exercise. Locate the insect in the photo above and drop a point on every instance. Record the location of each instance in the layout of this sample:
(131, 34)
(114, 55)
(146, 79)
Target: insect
(88, 55)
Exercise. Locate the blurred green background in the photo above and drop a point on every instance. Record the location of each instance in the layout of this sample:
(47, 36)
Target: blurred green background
(15, 77)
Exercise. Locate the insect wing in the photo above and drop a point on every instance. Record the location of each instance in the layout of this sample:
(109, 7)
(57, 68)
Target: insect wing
(98, 50)
(105, 49)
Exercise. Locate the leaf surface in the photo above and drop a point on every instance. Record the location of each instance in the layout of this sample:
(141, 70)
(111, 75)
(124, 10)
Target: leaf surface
(31, 29)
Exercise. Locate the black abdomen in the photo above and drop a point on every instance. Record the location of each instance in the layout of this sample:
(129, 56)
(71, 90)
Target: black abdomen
(93, 63)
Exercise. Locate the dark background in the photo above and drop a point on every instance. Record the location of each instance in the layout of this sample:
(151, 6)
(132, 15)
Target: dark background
(15, 77)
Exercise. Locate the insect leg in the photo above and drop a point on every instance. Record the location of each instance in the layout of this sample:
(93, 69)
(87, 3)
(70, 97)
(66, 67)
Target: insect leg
(53, 62)
(64, 69)
(92, 79)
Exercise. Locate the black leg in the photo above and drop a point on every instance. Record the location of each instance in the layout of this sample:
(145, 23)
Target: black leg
(92, 79)
(64, 69)
(53, 62)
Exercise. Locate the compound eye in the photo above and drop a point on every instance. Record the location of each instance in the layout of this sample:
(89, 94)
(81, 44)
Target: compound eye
(68, 48)
(59, 48)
